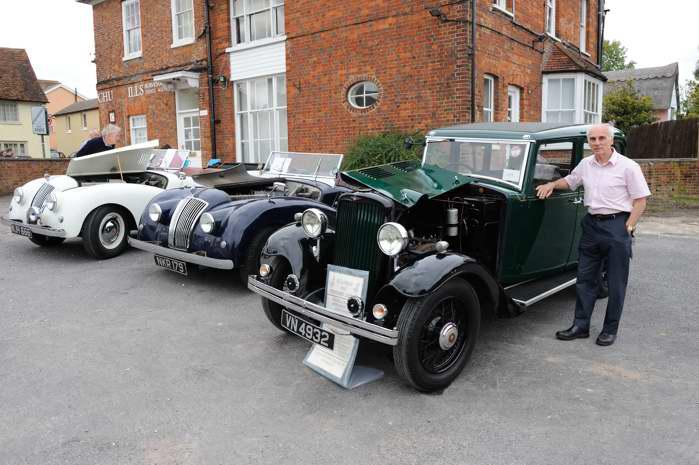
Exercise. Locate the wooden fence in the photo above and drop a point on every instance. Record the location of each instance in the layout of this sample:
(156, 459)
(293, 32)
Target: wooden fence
(669, 139)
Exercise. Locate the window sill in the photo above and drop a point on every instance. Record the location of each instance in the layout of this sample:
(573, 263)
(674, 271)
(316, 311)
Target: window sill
(12, 123)
(502, 10)
(553, 36)
(256, 44)
(182, 43)
(132, 57)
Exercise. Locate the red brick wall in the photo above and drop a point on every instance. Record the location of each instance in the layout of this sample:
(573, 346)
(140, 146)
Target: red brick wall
(14, 173)
(115, 75)
(670, 179)
(420, 65)
(156, 39)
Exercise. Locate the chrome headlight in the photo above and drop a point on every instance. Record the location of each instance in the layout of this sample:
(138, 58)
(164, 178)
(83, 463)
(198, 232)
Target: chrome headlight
(392, 238)
(207, 223)
(51, 202)
(18, 195)
(314, 222)
(155, 212)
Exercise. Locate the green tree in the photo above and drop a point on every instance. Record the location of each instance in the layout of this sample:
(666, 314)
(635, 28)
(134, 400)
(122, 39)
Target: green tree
(626, 108)
(380, 149)
(690, 102)
(614, 57)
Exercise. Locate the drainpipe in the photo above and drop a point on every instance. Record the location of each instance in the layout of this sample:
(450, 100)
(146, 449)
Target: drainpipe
(600, 31)
(473, 61)
(210, 80)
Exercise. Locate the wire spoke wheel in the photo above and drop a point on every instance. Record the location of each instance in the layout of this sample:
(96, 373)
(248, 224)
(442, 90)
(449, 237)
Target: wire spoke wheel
(436, 335)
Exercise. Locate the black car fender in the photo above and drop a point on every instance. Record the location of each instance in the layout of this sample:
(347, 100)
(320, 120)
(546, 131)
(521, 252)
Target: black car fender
(292, 244)
(427, 274)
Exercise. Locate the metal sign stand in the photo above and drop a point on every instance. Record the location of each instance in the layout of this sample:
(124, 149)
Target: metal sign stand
(338, 364)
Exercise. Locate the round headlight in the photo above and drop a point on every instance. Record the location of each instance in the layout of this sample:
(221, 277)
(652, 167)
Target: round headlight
(314, 222)
(392, 238)
(155, 212)
(18, 195)
(51, 202)
(207, 223)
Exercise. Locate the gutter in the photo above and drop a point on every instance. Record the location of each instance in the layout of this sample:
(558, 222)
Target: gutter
(600, 31)
(210, 80)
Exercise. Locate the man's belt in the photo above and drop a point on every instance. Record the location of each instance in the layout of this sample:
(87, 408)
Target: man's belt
(610, 216)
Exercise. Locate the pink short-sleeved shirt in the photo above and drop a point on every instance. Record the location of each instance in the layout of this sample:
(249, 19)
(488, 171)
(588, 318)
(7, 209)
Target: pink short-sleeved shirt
(609, 188)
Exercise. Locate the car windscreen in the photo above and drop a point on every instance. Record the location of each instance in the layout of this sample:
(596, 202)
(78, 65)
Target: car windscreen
(296, 164)
(130, 159)
(499, 160)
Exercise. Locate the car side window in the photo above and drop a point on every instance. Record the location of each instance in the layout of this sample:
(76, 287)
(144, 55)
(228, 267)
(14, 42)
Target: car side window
(553, 161)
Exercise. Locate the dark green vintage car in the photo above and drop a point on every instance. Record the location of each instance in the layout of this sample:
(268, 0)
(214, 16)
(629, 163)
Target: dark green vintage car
(421, 249)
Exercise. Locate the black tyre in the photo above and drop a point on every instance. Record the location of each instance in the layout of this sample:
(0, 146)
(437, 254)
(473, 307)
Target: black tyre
(46, 241)
(280, 270)
(251, 264)
(105, 232)
(437, 334)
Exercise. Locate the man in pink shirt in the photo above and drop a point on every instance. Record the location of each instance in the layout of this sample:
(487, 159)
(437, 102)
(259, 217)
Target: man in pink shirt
(615, 197)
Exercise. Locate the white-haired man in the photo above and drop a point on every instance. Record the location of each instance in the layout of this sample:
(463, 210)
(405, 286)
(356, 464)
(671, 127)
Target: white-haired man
(615, 197)
(106, 141)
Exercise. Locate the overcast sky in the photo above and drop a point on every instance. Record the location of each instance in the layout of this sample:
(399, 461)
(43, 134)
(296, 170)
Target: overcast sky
(59, 38)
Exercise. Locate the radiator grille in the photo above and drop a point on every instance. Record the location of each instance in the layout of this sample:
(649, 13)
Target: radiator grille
(183, 221)
(41, 195)
(358, 222)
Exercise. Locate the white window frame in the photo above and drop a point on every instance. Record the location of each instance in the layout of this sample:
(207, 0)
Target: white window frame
(592, 104)
(69, 128)
(502, 6)
(550, 18)
(83, 119)
(7, 107)
(513, 103)
(19, 147)
(583, 26)
(277, 111)
(351, 94)
(131, 54)
(488, 113)
(275, 31)
(180, 41)
(136, 124)
(579, 96)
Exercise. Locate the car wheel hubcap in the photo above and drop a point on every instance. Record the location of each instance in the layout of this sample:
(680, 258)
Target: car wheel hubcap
(448, 336)
(111, 230)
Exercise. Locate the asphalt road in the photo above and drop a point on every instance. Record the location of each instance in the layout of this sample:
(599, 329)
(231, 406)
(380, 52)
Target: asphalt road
(117, 362)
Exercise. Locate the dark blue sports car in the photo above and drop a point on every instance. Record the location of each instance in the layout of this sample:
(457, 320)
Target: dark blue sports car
(225, 220)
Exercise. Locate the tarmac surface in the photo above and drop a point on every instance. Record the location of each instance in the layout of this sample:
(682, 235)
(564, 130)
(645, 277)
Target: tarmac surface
(120, 362)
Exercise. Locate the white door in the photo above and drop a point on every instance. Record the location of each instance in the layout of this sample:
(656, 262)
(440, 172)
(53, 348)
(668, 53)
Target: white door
(188, 126)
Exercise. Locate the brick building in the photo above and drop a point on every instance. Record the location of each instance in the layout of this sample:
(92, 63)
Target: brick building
(311, 75)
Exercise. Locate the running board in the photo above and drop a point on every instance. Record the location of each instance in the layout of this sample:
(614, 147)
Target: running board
(530, 292)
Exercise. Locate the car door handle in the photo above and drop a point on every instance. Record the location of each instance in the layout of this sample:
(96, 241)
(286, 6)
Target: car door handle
(576, 201)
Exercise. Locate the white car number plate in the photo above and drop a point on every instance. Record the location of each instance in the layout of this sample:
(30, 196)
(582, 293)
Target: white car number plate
(21, 230)
(178, 266)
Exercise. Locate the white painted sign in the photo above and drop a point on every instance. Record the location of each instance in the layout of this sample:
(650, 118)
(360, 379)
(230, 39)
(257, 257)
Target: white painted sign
(40, 121)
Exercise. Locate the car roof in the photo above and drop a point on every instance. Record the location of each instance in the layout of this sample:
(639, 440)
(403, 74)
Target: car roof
(533, 131)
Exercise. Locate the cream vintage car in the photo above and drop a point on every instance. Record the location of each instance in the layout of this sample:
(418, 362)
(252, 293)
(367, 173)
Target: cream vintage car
(99, 198)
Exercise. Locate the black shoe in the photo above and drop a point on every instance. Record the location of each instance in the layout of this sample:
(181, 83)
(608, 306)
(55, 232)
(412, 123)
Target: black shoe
(605, 339)
(574, 332)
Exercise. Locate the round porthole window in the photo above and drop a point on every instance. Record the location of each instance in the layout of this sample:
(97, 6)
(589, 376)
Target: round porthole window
(363, 94)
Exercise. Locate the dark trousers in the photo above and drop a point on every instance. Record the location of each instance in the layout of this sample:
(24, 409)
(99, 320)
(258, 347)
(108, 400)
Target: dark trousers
(601, 240)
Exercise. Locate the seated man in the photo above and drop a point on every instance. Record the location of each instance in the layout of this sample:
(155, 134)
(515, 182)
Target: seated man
(106, 141)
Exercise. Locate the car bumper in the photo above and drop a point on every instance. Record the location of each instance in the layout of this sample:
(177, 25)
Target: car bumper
(317, 312)
(35, 228)
(188, 257)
